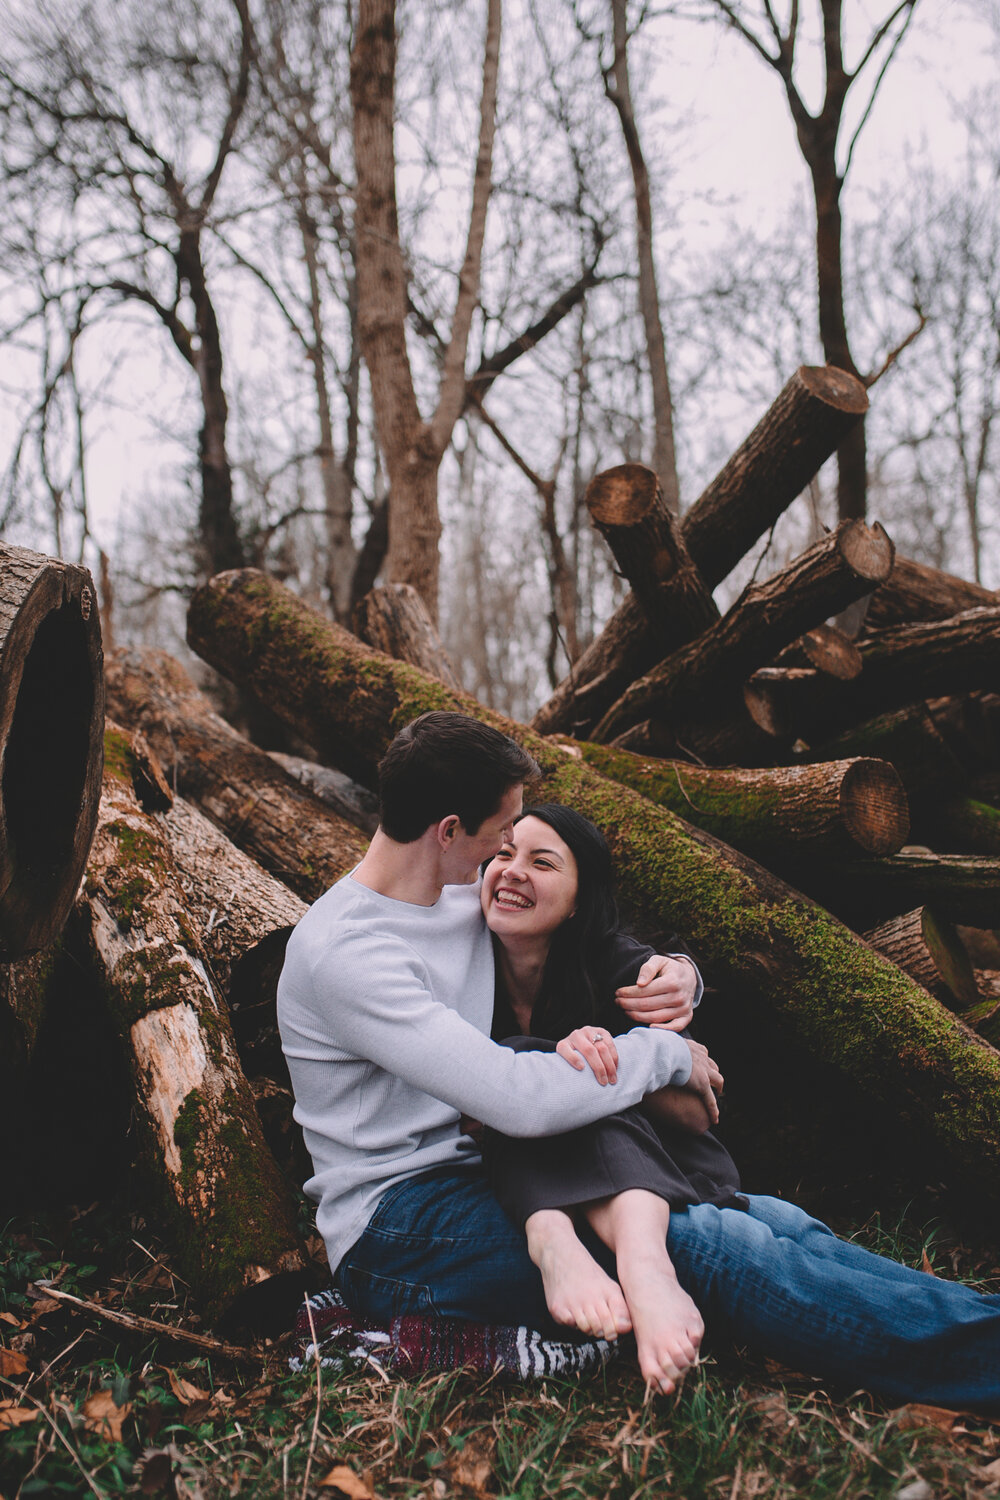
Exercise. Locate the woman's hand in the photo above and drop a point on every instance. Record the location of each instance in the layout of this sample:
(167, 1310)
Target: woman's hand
(663, 994)
(594, 1046)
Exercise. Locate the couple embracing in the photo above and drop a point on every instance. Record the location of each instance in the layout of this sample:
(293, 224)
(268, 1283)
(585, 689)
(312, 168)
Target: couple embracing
(606, 1204)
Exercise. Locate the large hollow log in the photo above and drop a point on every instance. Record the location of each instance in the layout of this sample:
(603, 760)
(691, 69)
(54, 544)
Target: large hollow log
(929, 948)
(257, 804)
(835, 808)
(51, 728)
(393, 618)
(232, 1216)
(841, 999)
(901, 665)
(913, 592)
(790, 443)
(837, 568)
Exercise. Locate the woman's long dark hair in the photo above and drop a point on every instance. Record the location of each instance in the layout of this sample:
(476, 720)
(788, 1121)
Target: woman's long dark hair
(574, 989)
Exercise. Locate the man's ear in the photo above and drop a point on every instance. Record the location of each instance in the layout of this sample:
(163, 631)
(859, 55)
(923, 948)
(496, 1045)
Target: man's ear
(448, 829)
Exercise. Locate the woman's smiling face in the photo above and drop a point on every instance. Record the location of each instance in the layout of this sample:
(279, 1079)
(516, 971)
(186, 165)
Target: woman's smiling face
(529, 888)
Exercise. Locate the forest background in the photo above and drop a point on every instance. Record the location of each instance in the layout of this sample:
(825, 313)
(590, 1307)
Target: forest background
(610, 220)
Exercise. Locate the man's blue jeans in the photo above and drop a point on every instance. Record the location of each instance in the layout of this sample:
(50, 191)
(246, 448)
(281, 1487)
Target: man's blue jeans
(773, 1278)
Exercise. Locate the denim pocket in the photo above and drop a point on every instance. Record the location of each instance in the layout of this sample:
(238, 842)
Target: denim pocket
(382, 1298)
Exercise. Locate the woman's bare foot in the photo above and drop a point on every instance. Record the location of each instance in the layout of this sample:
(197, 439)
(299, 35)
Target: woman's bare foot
(668, 1326)
(578, 1292)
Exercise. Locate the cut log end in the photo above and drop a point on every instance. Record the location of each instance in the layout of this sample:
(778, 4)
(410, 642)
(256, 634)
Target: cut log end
(834, 387)
(622, 495)
(874, 806)
(868, 550)
(51, 735)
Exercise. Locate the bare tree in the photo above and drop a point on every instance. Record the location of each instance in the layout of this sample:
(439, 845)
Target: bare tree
(780, 43)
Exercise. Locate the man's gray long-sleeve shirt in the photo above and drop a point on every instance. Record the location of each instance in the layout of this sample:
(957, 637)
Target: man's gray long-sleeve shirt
(384, 1009)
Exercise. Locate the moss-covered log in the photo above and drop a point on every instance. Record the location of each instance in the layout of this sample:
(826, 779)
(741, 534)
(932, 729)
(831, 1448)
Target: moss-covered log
(257, 804)
(834, 571)
(913, 591)
(835, 808)
(51, 728)
(841, 999)
(917, 740)
(958, 825)
(232, 1215)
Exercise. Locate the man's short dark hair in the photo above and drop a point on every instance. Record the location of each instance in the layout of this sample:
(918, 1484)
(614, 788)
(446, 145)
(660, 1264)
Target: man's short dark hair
(447, 763)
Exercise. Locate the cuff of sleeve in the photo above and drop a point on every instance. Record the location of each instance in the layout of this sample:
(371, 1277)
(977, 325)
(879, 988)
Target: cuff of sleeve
(700, 990)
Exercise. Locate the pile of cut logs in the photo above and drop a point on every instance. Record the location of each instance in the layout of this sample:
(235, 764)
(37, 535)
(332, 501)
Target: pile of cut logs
(818, 815)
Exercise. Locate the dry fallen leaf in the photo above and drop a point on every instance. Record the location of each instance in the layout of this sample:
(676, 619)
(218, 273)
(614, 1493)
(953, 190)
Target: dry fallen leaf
(12, 1362)
(8, 1317)
(14, 1416)
(103, 1416)
(43, 1305)
(185, 1392)
(350, 1484)
(919, 1415)
(991, 1471)
(472, 1467)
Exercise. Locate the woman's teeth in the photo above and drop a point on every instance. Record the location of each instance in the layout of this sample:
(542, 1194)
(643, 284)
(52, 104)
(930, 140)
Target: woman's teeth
(512, 900)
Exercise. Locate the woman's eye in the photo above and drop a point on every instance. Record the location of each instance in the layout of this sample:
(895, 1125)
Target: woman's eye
(544, 864)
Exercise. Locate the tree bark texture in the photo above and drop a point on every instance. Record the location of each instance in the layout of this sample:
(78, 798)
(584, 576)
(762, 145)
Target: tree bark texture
(260, 807)
(774, 464)
(394, 619)
(840, 998)
(233, 1217)
(913, 592)
(835, 808)
(51, 742)
(958, 825)
(901, 666)
(355, 804)
(964, 888)
(930, 950)
(826, 648)
(835, 570)
(918, 740)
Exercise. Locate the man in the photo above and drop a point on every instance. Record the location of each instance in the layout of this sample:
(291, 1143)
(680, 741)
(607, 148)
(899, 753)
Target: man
(385, 1005)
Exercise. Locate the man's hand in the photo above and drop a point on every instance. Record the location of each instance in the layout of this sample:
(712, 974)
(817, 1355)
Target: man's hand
(594, 1046)
(663, 994)
(706, 1081)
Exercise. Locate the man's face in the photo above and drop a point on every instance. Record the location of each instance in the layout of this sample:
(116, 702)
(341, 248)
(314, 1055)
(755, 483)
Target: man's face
(468, 850)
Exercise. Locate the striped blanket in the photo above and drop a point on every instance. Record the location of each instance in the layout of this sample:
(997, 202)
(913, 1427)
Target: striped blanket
(419, 1345)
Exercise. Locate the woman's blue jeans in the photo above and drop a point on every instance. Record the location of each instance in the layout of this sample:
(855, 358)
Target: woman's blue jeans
(773, 1278)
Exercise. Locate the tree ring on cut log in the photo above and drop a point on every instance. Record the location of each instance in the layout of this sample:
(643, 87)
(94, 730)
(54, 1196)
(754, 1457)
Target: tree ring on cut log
(874, 805)
(51, 742)
(834, 387)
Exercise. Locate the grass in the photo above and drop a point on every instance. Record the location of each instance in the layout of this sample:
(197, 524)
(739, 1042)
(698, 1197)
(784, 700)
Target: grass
(111, 1413)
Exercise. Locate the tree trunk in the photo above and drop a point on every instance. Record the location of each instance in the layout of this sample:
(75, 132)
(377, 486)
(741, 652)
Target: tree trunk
(837, 808)
(963, 888)
(234, 1219)
(783, 452)
(901, 666)
(930, 950)
(917, 740)
(958, 825)
(394, 619)
(355, 804)
(263, 809)
(51, 742)
(840, 998)
(913, 592)
(834, 570)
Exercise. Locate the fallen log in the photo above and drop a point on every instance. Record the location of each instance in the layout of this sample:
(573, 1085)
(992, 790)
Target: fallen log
(669, 605)
(958, 825)
(792, 441)
(232, 1216)
(839, 997)
(394, 619)
(259, 806)
(901, 665)
(51, 727)
(913, 591)
(354, 803)
(916, 740)
(834, 808)
(715, 738)
(826, 648)
(837, 568)
(964, 888)
(929, 948)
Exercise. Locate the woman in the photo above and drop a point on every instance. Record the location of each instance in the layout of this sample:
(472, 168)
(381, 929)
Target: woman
(560, 958)
(772, 1277)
